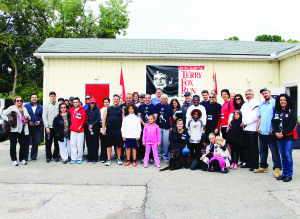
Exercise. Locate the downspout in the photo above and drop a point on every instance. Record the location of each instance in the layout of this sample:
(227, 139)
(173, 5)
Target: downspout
(44, 81)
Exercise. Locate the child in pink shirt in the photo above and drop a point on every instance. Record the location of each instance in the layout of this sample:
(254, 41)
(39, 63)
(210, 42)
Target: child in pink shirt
(151, 139)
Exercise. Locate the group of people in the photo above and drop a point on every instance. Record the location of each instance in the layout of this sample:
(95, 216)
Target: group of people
(149, 128)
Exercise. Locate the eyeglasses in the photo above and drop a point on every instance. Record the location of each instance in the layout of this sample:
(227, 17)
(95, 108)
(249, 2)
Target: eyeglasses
(237, 98)
(63, 107)
(19, 100)
(87, 98)
(211, 97)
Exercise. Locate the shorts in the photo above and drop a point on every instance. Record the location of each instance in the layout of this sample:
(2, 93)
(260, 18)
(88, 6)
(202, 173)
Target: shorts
(113, 138)
(131, 143)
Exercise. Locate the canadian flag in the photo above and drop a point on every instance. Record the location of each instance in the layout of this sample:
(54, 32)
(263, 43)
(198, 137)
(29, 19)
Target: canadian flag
(215, 87)
(122, 87)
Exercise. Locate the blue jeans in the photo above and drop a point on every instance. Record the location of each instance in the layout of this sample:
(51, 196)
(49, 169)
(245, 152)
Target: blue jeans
(264, 142)
(286, 149)
(164, 145)
(34, 134)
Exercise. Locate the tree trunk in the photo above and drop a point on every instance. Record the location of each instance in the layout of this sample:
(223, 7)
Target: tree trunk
(16, 72)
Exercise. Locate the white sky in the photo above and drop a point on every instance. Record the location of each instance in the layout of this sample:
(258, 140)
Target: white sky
(212, 19)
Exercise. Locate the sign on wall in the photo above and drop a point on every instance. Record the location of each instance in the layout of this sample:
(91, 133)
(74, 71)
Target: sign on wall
(175, 80)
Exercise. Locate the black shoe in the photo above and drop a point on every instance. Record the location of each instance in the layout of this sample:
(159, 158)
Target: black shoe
(64, 162)
(287, 179)
(57, 159)
(34, 160)
(251, 169)
(151, 161)
(245, 166)
(282, 177)
(48, 160)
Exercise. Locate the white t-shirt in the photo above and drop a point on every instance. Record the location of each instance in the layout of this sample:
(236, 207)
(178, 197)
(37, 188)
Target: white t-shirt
(33, 109)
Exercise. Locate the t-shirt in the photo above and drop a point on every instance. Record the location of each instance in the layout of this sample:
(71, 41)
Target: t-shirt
(147, 110)
(33, 109)
(66, 125)
(165, 114)
(155, 101)
(213, 112)
(227, 108)
(205, 103)
(114, 118)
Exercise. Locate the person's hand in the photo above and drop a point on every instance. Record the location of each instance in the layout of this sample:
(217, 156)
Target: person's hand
(270, 132)
(79, 127)
(227, 129)
(216, 131)
(31, 123)
(124, 138)
(144, 143)
(242, 125)
(174, 118)
(26, 117)
(158, 144)
(257, 129)
(137, 139)
(229, 124)
(279, 135)
(38, 123)
(103, 132)
(202, 158)
(90, 127)
(48, 131)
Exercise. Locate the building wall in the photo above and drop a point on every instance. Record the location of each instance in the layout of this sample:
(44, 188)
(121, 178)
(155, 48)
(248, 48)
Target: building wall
(290, 70)
(65, 75)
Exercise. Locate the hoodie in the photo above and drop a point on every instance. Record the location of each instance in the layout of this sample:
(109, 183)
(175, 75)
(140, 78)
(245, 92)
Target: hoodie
(78, 118)
(151, 134)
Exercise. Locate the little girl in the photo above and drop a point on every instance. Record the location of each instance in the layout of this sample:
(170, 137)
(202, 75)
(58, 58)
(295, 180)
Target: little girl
(234, 138)
(195, 128)
(131, 131)
(151, 139)
(218, 156)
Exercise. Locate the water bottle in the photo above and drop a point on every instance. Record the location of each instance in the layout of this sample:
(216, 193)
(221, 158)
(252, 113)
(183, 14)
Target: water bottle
(91, 131)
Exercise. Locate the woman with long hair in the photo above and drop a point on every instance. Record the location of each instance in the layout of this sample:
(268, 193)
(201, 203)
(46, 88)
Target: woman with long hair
(238, 101)
(284, 124)
(177, 111)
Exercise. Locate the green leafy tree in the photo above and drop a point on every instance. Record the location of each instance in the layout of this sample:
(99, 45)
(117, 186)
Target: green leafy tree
(25, 25)
(269, 38)
(292, 41)
(233, 38)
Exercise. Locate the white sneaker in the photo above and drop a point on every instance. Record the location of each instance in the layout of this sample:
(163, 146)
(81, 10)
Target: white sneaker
(120, 162)
(15, 163)
(108, 163)
(158, 166)
(23, 162)
(145, 166)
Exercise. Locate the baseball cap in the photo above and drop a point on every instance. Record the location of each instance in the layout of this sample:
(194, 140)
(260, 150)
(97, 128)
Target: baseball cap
(196, 97)
(263, 89)
(71, 98)
(60, 99)
(92, 100)
(142, 95)
(52, 92)
(187, 94)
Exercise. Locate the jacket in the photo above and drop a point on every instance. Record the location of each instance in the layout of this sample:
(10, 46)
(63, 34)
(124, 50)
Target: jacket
(224, 153)
(289, 124)
(131, 126)
(151, 133)
(37, 116)
(19, 126)
(78, 118)
(185, 107)
(235, 133)
(195, 129)
(93, 118)
(199, 107)
(249, 114)
(178, 140)
(58, 125)
(50, 111)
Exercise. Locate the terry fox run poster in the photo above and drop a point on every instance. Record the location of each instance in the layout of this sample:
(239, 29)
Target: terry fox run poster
(175, 80)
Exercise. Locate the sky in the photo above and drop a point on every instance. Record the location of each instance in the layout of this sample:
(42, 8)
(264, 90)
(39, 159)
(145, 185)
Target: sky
(212, 19)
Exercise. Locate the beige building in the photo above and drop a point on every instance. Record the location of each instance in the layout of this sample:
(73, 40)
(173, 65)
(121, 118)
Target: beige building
(73, 67)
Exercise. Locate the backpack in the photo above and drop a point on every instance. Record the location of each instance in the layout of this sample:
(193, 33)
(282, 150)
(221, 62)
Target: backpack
(12, 122)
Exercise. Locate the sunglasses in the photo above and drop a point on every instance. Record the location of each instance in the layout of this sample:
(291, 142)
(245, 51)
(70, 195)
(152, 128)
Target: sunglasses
(211, 97)
(63, 107)
(87, 98)
(19, 100)
(237, 98)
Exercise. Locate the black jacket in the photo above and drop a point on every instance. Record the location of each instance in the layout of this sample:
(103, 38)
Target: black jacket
(94, 117)
(58, 125)
(235, 133)
(178, 141)
(289, 124)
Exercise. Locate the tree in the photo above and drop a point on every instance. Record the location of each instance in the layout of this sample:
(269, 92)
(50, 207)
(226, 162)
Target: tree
(235, 38)
(269, 38)
(292, 41)
(25, 25)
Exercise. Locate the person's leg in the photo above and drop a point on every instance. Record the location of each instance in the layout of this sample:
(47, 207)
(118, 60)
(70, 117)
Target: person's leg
(241, 151)
(68, 147)
(56, 147)
(224, 132)
(288, 149)
(155, 154)
(109, 150)
(147, 149)
(95, 145)
(48, 145)
(13, 145)
(246, 149)
(103, 155)
(63, 149)
(237, 152)
(128, 152)
(35, 143)
(80, 141)
(23, 144)
(159, 149)
(283, 158)
(134, 153)
(165, 142)
(119, 150)
(204, 166)
(263, 150)
(73, 146)
(254, 150)
(196, 164)
(231, 145)
(275, 152)
(29, 137)
(89, 143)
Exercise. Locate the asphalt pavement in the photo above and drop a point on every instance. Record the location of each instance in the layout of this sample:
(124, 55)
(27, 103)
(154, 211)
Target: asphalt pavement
(57, 190)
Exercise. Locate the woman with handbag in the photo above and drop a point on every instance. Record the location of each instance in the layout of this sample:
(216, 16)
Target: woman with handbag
(19, 131)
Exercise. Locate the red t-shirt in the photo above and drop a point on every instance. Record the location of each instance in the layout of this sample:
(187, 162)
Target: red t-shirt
(227, 108)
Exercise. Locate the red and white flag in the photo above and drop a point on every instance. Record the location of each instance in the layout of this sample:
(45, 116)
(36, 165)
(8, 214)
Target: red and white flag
(122, 87)
(215, 86)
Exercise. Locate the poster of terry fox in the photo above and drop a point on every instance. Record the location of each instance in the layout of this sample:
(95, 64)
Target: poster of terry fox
(175, 80)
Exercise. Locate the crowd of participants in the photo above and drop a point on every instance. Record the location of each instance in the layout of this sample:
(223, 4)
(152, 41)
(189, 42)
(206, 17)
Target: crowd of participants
(217, 137)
